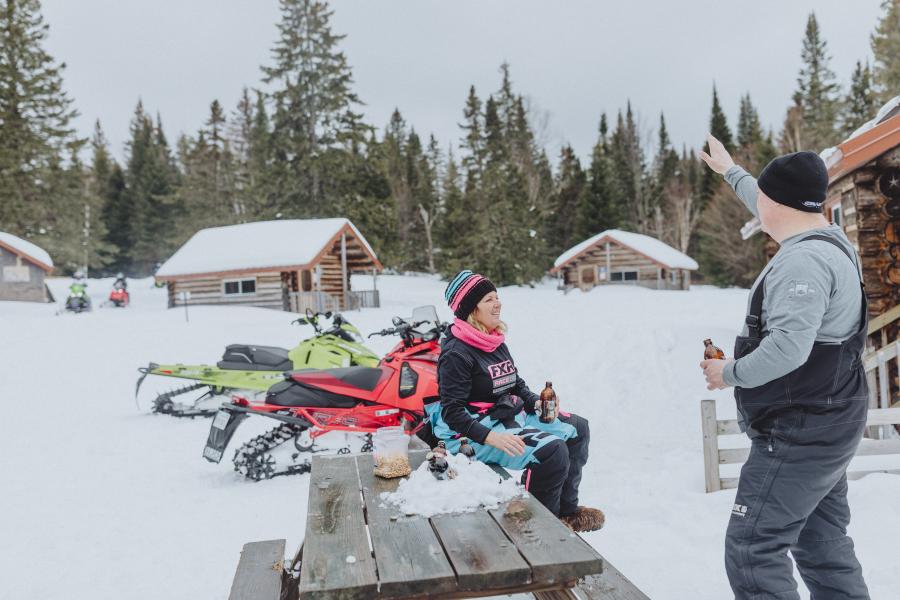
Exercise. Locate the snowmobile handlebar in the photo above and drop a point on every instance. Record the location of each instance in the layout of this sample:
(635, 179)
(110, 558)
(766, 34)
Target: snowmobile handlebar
(403, 329)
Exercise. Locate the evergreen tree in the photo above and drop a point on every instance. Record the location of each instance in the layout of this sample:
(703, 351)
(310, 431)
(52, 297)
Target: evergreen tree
(41, 187)
(666, 167)
(505, 194)
(598, 211)
(754, 148)
(472, 142)
(718, 126)
(859, 105)
(457, 223)
(811, 124)
(151, 182)
(97, 250)
(117, 220)
(570, 194)
(315, 126)
(725, 258)
(630, 183)
(240, 142)
(208, 191)
(886, 48)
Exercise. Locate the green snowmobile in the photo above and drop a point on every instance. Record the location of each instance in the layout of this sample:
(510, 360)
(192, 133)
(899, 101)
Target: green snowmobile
(254, 369)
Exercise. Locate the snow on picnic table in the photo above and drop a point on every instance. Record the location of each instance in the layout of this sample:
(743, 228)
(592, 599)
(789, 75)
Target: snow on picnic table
(102, 501)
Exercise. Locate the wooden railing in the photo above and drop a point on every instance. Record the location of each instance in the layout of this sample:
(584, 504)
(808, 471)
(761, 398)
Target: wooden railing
(363, 299)
(878, 361)
(315, 301)
(713, 456)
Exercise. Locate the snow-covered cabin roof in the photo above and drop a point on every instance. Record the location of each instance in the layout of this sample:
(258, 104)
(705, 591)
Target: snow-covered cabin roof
(868, 142)
(27, 250)
(652, 248)
(265, 246)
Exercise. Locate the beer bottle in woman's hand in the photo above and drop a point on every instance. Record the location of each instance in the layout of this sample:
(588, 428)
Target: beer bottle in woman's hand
(711, 351)
(549, 404)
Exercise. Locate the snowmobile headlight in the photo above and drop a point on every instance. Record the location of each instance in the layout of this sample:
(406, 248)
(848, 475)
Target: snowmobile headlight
(409, 379)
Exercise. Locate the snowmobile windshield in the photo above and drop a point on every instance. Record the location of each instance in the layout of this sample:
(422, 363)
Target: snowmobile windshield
(427, 314)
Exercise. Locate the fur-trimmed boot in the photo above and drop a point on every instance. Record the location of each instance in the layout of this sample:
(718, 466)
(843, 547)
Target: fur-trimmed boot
(584, 519)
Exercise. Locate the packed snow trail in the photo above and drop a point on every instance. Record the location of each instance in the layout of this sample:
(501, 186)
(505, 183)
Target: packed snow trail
(99, 500)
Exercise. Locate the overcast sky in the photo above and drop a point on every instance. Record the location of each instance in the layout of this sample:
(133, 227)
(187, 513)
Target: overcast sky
(572, 59)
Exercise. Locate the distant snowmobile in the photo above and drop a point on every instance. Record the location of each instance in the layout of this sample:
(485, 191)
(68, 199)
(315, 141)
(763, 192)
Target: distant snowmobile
(119, 296)
(78, 300)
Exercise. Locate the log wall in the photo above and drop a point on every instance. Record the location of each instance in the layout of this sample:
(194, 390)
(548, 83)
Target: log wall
(268, 294)
(872, 223)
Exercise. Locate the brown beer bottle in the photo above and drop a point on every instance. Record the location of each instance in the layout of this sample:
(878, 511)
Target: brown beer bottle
(712, 351)
(549, 404)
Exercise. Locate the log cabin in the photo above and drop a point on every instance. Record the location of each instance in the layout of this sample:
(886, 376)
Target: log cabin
(864, 199)
(23, 267)
(290, 265)
(626, 258)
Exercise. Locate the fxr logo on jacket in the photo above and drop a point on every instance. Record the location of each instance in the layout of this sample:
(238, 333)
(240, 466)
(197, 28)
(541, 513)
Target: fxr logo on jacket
(503, 375)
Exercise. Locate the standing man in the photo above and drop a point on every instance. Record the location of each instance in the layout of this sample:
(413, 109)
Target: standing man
(800, 389)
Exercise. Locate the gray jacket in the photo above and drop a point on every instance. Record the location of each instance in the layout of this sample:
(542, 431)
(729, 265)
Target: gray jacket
(812, 295)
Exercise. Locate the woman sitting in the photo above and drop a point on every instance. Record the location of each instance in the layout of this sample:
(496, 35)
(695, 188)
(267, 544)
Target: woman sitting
(483, 398)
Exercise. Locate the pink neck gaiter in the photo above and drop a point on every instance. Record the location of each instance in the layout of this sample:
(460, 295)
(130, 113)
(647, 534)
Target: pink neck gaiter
(487, 342)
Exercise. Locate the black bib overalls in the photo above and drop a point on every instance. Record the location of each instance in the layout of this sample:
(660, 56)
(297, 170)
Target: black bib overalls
(804, 429)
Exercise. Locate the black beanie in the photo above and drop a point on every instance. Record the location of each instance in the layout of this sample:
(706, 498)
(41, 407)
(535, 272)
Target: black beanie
(798, 180)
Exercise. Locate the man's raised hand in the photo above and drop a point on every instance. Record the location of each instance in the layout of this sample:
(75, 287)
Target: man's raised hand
(718, 158)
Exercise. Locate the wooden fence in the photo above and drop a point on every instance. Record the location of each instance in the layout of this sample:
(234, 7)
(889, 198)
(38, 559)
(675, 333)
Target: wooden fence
(315, 301)
(363, 299)
(713, 456)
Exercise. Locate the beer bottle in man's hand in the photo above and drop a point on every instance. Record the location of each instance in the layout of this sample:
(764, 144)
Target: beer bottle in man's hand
(549, 404)
(711, 351)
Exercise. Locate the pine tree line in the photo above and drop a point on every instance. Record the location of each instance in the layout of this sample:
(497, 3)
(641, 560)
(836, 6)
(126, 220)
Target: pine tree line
(297, 147)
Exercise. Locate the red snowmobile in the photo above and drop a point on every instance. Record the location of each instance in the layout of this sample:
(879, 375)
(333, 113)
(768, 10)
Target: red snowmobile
(118, 297)
(310, 402)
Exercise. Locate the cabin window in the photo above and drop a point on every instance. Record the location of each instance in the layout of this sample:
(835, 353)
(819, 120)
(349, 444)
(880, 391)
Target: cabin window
(624, 276)
(602, 274)
(306, 280)
(239, 287)
(673, 277)
(837, 215)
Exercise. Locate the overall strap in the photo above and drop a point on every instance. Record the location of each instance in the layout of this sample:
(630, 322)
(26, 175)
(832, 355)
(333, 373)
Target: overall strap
(754, 317)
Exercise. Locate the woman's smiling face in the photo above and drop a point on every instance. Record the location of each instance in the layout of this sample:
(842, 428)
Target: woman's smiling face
(487, 311)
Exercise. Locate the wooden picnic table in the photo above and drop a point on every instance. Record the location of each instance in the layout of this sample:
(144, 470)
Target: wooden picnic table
(357, 548)
(481, 553)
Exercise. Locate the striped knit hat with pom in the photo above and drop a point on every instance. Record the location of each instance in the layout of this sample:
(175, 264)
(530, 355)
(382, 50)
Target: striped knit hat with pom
(465, 291)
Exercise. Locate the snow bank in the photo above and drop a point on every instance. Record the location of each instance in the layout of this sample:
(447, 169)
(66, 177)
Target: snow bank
(26, 247)
(255, 245)
(475, 485)
(649, 246)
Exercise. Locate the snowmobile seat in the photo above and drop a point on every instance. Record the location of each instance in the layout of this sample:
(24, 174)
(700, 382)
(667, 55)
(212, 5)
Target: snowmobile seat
(291, 393)
(244, 357)
(363, 378)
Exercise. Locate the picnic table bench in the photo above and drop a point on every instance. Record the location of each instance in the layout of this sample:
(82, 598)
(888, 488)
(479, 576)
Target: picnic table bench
(357, 548)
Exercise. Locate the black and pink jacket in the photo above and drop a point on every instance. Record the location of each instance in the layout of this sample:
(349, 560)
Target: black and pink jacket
(472, 381)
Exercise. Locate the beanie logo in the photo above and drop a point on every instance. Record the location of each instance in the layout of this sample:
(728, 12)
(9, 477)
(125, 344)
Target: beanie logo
(812, 204)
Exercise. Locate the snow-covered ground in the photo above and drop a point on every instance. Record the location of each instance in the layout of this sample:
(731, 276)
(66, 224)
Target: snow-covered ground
(101, 501)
